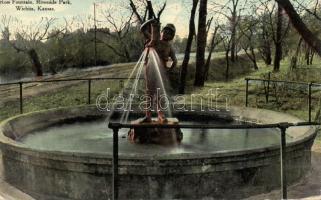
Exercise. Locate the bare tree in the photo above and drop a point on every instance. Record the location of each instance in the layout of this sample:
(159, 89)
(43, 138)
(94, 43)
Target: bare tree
(80, 34)
(118, 26)
(275, 27)
(27, 37)
(214, 42)
(201, 44)
(265, 14)
(191, 34)
(234, 22)
(140, 9)
(294, 59)
(278, 40)
(266, 48)
(226, 40)
(247, 29)
(232, 10)
(311, 39)
(312, 11)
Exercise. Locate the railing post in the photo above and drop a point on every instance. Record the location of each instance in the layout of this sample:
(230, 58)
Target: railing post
(115, 163)
(283, 127)
(21, 100)
(246, 92)
(268, 88)
(89, 90)
(310, 101)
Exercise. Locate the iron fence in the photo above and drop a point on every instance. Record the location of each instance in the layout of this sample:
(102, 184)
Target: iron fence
(308, 85)
(88, 80)
(117, 126)
(281, 126)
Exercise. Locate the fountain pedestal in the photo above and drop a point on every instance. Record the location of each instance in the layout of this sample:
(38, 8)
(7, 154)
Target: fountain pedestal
(164, 136)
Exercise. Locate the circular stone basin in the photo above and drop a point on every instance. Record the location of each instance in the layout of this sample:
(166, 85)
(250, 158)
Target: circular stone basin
(95, 137)
(67, 154)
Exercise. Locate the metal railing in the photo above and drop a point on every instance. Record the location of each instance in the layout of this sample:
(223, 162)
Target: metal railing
(281, 126)
(308, 85)
(117, 126)
(89, 82)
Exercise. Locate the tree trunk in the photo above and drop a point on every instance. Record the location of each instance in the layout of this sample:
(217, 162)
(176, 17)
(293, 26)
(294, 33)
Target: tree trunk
(201, 45)
(299, 25)
(35, 61)
(254, 58)
(208, 61)
(311, 57)
(307, 55)
(227, 71)
(233, 37)
(268, 54)
(265, 51)
(251, 56)
(294, 59)
(278, 42)
(127, 54)
(188, 49)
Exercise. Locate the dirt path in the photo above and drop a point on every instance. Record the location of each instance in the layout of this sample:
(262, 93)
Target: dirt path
(309, 188)
(11, 92)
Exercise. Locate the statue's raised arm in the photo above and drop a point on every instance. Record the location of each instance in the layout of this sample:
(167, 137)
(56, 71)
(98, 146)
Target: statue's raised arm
(151, 32)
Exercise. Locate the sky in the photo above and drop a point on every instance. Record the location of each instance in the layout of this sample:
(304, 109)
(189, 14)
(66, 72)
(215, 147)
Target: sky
(176, 11)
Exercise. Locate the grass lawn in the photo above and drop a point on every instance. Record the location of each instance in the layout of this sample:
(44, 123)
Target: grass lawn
(291, 99)
(282, 98)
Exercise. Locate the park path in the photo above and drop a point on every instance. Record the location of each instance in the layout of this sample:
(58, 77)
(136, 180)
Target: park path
(309, 188)
(11, 92)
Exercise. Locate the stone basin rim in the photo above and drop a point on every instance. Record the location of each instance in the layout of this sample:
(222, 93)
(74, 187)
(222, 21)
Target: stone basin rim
(10, 144)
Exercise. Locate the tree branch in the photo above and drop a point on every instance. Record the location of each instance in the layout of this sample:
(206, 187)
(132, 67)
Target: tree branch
(161, 11)
(300, 26)
(134, 8)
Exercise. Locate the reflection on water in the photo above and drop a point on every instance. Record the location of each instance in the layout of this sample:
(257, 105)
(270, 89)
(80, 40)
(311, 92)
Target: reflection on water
(95, 137)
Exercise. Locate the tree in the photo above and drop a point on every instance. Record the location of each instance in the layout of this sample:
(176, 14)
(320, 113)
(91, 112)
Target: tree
(201, 44)
(294, 59)
(118, 26)
(266, 23)
(27, 37)
(232, 11)
(226, 39)
(311, 39)
(191, 34)
(234, 22)
(140, 10)
(248, 32)
(265, 48)
(278, 40)
(214, 42)
(276, 32)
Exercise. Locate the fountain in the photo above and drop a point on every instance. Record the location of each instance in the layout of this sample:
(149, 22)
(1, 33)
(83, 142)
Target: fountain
(66, 153)
(158, 50)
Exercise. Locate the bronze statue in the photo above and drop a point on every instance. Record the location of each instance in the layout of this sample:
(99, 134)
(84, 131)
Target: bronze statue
(159, 51)
(161, 42)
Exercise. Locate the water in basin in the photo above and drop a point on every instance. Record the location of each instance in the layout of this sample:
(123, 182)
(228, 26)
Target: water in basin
(95, 137)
